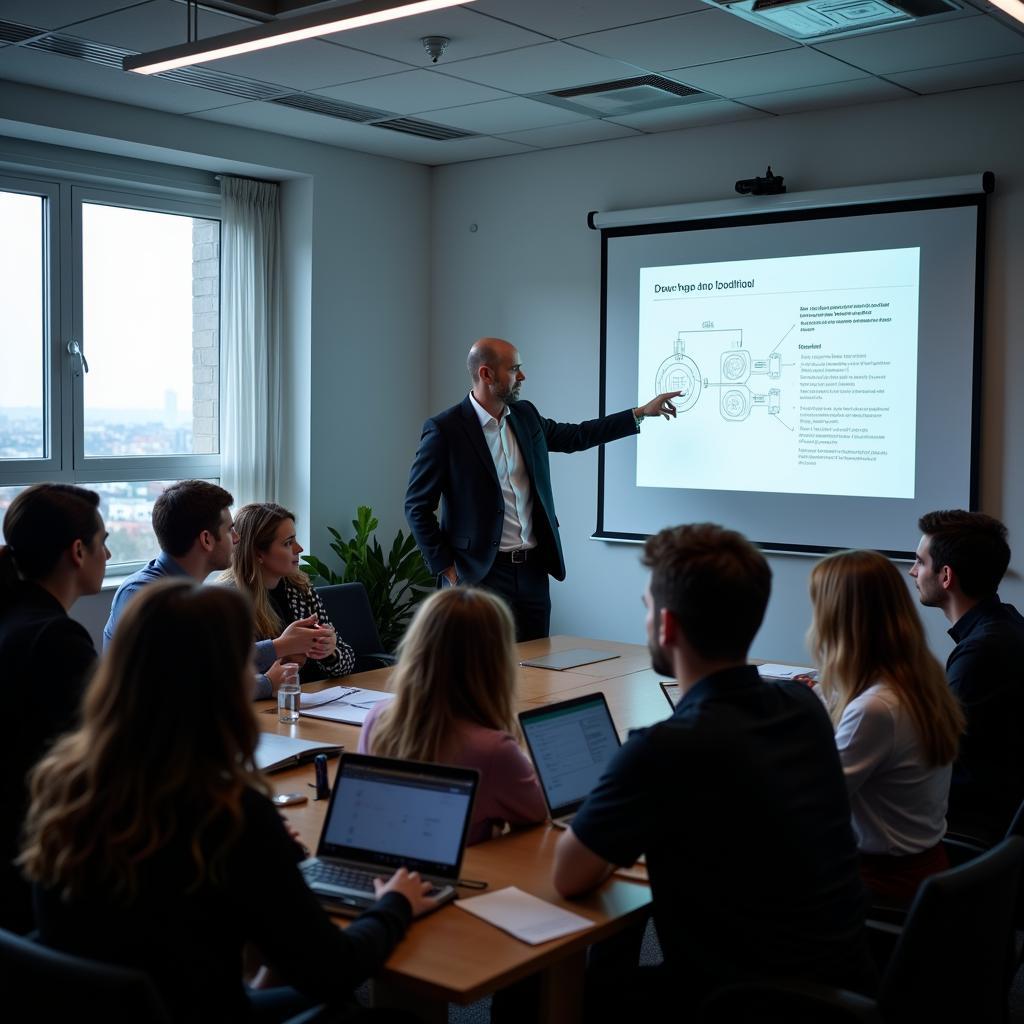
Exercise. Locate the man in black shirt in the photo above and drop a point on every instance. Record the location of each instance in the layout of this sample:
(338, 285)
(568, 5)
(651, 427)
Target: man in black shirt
(960, 561)
(737, 800)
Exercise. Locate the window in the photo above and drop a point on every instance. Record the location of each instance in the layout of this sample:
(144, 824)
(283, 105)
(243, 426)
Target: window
(110, 347)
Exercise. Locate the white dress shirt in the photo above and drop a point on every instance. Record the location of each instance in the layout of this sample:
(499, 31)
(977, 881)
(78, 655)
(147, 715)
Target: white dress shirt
(517, 530)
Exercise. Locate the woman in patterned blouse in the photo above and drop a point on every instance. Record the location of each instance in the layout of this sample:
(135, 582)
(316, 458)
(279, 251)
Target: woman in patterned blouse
(265, 564)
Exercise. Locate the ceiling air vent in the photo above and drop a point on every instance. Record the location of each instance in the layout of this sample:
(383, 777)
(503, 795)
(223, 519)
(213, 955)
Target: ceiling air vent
(623, 96)
(220, 81)
(331, 108)
(12, 32)
(198, 77)
(81, 49)
(806, 20)
(424, 129)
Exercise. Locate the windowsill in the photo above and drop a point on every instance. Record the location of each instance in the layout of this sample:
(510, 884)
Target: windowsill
(113, 582)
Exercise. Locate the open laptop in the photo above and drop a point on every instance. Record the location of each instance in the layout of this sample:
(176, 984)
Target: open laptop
(571, 744)
(385, 814)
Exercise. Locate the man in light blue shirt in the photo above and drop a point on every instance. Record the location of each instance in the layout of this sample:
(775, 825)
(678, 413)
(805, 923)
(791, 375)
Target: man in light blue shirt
(192, 522)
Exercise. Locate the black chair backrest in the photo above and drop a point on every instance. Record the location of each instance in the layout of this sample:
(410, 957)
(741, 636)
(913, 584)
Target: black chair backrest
(951, 961)
(1017, 825)
(349, 610)
(56, 987)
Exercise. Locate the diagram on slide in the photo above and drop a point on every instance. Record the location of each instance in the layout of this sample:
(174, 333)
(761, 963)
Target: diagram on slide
(736, 398)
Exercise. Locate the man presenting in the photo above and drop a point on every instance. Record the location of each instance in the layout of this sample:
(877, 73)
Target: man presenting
(488, 458)
(960, 561)
(737, 800)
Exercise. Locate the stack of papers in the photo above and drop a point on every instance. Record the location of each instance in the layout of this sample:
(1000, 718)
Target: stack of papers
(348, 704)
(523, 916)
(773, 671)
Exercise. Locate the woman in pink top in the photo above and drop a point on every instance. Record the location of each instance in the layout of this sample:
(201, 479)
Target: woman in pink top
(454, 704)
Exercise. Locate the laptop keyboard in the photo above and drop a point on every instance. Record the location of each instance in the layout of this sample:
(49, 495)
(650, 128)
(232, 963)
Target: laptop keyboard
(337, 874)
(321, 872)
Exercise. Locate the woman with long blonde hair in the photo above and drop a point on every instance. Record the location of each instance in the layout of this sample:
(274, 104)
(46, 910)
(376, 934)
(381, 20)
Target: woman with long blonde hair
(455, 704)
(151, 838)
(265, 566)
(897, 723)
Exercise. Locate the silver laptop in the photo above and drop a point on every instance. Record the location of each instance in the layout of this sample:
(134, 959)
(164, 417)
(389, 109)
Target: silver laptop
(571, 744)
(385, 814)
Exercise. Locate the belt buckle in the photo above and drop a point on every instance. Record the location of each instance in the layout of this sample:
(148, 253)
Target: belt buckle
(518, 556)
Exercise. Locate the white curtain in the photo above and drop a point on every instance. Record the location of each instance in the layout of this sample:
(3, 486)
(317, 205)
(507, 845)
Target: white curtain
(251, 341)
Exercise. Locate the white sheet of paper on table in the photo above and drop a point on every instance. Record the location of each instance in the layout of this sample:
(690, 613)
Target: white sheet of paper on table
(773, 671)
(332, 693)
(525, 917)
(350, 708)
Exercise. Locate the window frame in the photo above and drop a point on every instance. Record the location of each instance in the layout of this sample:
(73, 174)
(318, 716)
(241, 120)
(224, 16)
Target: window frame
(63, 381)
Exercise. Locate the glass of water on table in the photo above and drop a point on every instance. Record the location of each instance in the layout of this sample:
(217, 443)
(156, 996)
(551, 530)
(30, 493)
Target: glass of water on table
(289, 695)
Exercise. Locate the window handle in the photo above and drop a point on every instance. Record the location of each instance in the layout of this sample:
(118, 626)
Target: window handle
(75, 350)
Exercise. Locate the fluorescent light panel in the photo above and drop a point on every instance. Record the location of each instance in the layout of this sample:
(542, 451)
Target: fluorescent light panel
(321, 23)
(1014, 8)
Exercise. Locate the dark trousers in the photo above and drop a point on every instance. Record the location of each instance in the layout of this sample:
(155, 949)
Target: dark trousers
(524, 586)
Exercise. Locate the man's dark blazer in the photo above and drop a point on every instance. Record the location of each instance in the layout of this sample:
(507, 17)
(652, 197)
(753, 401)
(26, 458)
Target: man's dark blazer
(454, 462)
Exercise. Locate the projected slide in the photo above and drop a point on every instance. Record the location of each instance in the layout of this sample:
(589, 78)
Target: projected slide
(798, 374)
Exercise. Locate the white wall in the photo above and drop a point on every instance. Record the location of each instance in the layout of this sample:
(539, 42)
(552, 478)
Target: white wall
(531, 273)
(356, 255)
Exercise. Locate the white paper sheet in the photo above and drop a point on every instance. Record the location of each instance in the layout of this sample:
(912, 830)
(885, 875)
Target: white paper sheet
(352, 707)
(773, 671)
(525, 917)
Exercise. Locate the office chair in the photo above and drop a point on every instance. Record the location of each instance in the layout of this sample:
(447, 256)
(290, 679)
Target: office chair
(53, 987)
(950, 962)
(348, 608)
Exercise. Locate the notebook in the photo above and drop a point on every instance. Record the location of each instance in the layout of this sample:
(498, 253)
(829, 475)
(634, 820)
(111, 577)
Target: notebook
(274, 752)
(571, 744)
(385, 814)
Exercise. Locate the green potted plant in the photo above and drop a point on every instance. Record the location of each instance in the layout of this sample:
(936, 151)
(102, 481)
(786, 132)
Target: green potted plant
(394, 584)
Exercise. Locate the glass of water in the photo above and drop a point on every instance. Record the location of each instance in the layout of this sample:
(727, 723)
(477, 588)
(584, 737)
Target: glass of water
(289, 695)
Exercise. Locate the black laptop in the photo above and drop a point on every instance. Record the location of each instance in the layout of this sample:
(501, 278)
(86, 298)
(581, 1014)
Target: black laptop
(571, 744)
(385, 814)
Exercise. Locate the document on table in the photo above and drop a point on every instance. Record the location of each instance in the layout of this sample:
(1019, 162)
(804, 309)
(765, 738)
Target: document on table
(348, 704)
(523, 916)
(773, 671)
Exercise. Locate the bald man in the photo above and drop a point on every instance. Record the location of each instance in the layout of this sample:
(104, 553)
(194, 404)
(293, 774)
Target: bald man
(487, 457)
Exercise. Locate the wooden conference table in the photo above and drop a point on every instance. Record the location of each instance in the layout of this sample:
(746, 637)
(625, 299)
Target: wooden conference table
(452, 956)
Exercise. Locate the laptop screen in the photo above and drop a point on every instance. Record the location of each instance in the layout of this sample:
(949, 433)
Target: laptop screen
(571, 744)
(395, 813)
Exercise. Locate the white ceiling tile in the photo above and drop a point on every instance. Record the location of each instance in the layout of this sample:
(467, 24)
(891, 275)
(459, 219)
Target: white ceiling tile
(154, 25)
(459, 150)
(471, 35)
(863, 90)
(51, 71)
(500, 116)
(769, 72)
(964, 76)
(926, 46)
(541, 68)
(57, 13)
(571, 17)
(307, 65)
(570, 134)
(299, 124)
(413, 91)
(690, 116)
(687, 40)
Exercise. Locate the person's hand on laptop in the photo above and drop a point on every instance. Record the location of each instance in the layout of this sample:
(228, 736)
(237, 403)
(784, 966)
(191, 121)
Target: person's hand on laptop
(411, 886)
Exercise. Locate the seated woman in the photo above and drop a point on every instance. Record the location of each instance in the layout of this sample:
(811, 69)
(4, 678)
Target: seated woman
(56, 552)
(152, 841)
(265, 565)
(897, 724)
(454, 703)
